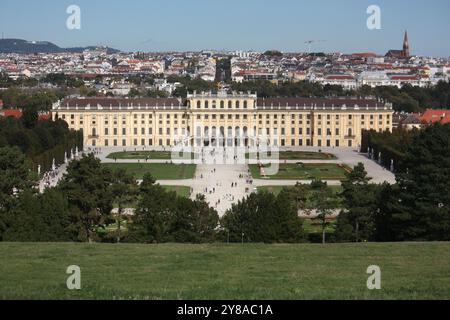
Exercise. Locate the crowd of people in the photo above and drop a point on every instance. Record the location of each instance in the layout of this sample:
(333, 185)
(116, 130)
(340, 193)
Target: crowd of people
(50, 179)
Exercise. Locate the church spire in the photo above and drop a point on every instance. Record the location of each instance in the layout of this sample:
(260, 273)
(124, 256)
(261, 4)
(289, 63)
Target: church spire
(406, 45)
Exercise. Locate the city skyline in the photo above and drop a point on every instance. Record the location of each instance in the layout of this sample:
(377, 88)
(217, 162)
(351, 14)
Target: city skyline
(207, 26)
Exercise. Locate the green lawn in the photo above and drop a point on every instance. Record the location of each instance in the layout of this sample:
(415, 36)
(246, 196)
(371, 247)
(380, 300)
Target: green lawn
(303, 155)
(292, 171)
(128, 271)
(181, 191)
(160, 171)
(277, 189)
(155, 155)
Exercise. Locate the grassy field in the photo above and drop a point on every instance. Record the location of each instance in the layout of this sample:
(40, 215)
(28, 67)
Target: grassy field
(302, 155)
(292, 171)
(277, 189)
(337, 271)
(135, 155)
(160, 171)
(181, 191)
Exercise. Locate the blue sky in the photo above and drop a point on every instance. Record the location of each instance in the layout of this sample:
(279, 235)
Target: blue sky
(156, 25)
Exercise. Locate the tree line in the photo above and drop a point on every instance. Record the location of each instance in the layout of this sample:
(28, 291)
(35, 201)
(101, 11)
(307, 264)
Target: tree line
(80, 208)
(416, 208)
(40, 141)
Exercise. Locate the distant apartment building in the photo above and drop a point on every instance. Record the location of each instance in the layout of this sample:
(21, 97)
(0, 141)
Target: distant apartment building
(121, 89)
(382, 78)
(347, 82)
(224, 119)
(254, 75)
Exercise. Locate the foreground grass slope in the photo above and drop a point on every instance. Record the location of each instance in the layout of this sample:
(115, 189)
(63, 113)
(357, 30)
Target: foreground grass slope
(172, 271)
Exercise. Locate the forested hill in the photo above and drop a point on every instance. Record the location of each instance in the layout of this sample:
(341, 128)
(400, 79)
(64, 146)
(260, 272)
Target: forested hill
(24, 46)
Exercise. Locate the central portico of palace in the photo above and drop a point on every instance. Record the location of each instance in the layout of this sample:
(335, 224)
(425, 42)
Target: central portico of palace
(224, 119)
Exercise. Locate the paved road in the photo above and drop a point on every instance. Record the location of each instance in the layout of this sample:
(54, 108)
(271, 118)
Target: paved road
(215, 182)
(51, 179)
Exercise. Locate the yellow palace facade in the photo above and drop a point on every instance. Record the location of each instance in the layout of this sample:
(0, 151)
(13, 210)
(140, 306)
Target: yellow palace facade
(224, 119)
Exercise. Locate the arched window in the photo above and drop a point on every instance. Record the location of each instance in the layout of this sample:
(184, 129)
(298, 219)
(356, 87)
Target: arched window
(206, 104)
(237, 137)
(199, 105)
(245, 136)
(222, 104)
(230, 105)
(245, 104)
(237, 105)
(198, 136)
(214, 104)
(222, 137)
(229, 136)
(214, 137)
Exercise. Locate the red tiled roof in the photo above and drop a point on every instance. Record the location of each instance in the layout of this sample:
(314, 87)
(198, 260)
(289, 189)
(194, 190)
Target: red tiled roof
(340, 77)
(446, 119)
(16, 113)
(45, 116)
(433, 116)
(364, 54)
(413, 78)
